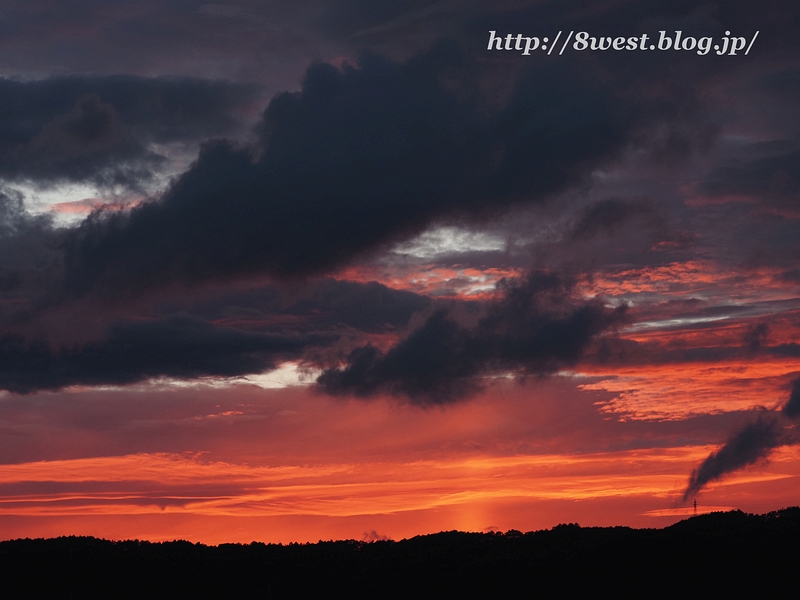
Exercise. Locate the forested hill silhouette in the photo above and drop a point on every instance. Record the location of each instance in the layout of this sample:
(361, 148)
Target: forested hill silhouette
(716, 551)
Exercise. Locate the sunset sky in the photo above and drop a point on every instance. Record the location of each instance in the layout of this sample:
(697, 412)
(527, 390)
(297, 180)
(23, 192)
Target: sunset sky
(290, 271)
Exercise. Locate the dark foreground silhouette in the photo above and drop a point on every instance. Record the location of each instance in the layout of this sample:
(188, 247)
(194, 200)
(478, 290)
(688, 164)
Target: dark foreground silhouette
(713, 553)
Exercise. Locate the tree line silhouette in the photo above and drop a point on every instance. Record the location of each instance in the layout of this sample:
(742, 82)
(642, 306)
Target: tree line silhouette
(714, 552)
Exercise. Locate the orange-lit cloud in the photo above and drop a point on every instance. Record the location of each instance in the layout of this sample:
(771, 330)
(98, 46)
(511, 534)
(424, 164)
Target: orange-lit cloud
(678, 391)
(87, 205)
(704, 279)
(467, 283)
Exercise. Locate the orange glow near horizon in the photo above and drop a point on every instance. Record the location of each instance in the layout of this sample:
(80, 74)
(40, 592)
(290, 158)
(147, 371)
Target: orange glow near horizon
(182, 486)
(287, 272)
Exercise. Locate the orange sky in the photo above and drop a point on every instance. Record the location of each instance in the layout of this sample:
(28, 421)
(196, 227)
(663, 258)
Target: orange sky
(300, 271)
(240, 462)
(607, 443)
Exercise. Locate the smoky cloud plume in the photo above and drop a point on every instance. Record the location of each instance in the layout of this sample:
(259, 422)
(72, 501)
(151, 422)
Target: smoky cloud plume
(754, 442)
(535, 329)
(749, 445)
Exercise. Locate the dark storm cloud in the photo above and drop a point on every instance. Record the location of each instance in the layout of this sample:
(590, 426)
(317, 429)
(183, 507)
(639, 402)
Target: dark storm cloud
(30, 260)
(791, 349)
(14, 219)
(535, 329)
(359, 158)
(790, 276)
(99, 129)
(255, 327)
(756, 336)
(87, 144)
(180, 347)
(774, 179)
(352, 16)
(792, 408)
(606, 216)
(243, 40)
(785, 83)
(41, 347)
(315, 305)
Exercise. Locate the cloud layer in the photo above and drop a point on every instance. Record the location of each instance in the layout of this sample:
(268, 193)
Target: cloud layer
(535, 329)
(359, 158)
(181, 348)
(101, 129)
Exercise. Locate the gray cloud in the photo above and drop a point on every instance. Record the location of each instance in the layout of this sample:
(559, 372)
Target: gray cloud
(772, 179)
(756, 336)
(792, 407)
(180, 347)
(535, 329)
(607, 216)
(100, 129)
